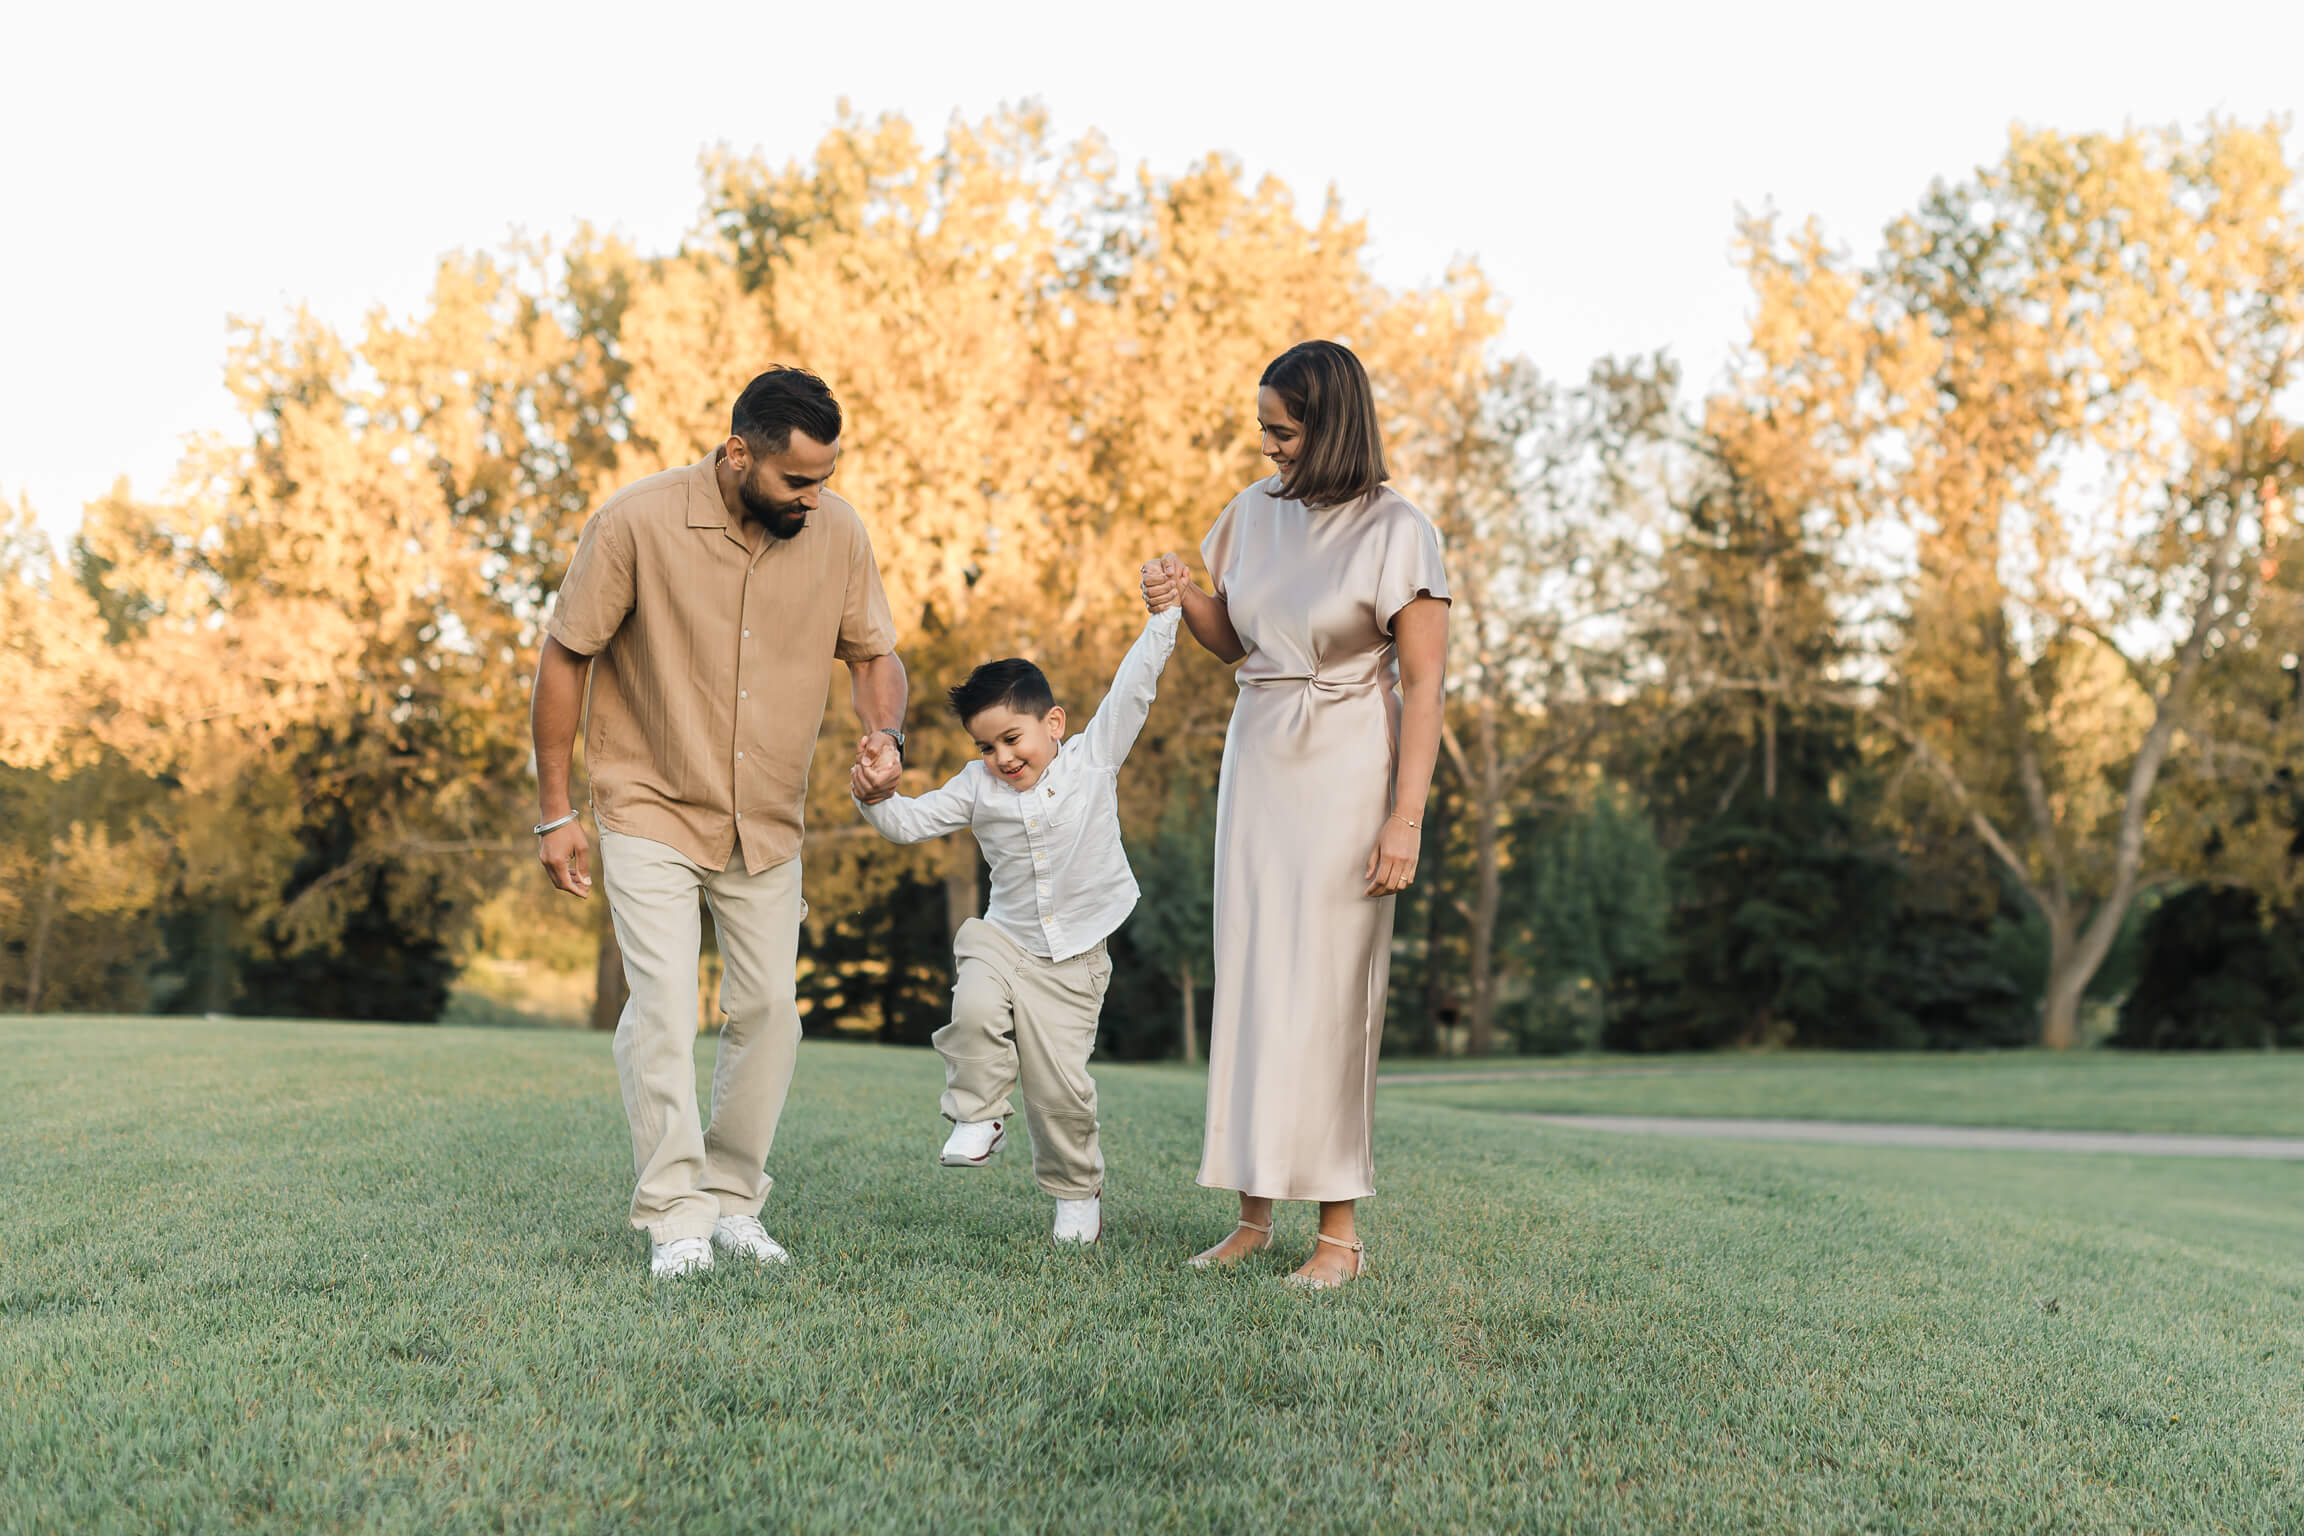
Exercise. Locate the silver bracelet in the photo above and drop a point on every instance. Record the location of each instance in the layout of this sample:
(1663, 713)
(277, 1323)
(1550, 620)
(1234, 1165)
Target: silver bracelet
(554, 826)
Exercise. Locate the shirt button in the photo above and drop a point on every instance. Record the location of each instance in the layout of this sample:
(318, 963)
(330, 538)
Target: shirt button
(739, 815)
(739, 757)
(747, 634)
(743, 693)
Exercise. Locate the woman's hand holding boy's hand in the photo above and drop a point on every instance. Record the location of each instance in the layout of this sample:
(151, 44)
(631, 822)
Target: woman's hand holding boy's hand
(1164, 582)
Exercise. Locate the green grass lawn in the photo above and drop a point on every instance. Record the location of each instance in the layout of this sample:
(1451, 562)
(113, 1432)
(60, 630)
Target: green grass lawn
(279, 1275)
(2231, 1093)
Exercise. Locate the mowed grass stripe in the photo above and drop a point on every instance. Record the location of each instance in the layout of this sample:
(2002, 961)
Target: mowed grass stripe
(2227, 1094)
(295, 1275)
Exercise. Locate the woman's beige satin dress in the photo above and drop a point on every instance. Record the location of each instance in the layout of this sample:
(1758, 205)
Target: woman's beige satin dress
(1302, 956)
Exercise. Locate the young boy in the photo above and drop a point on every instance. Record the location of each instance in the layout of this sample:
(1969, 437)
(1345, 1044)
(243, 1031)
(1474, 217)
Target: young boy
(1031, 972)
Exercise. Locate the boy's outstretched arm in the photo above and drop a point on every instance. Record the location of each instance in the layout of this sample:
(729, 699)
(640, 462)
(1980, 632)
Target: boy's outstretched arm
(1128, 702)
(902, 819)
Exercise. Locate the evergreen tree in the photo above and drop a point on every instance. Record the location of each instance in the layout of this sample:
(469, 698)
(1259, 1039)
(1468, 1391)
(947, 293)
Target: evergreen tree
(1781, 906)
(1173, 927)
(887, 962)
(384, 959)
(1942, 985)
(1587, 905)
(2216, 975)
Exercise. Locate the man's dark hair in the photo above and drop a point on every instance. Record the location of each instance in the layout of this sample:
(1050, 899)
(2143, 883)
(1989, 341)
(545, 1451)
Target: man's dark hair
(779, 400)
(1015, 683)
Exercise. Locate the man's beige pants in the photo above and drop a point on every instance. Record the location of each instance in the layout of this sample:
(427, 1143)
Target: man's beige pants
(691, 1176)
(1015, 1015)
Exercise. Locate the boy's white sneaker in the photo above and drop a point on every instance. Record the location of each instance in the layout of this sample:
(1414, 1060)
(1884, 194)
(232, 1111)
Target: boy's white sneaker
(973, 1142)
(1079, 1221)
(681, 1256)
(743, 1235)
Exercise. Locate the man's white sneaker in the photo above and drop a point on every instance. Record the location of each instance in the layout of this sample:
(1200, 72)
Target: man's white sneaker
(744, 1235)
(681, 1256)
(973, 1142)
(1079, 1221)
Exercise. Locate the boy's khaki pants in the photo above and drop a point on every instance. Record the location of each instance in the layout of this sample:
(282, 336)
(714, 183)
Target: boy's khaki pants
(689, 1176)
(1017, 1016)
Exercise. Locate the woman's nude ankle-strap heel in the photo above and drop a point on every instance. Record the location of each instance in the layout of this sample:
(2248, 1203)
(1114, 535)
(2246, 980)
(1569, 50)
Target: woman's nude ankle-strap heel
(1359, 1265)
(1208, 1260)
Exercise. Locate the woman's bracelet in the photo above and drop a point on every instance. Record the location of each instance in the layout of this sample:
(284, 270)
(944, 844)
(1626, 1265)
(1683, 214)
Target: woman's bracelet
(554, 826)
(1396, 816)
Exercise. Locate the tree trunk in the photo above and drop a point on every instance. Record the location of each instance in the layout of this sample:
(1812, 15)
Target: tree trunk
(963, 898)
(2067, 983)
(1436, 819)
(1769, 671)
(1485, 901)
(1768, 748)
(2075, 951)
(1488, 806)
(2060, 1012)
(216, 977)
(1191, 1013)
(36, 963)
(2073, 960)
(609, 988)
(708, 974)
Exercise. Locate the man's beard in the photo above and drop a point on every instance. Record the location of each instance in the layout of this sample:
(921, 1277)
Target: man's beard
(778, 519)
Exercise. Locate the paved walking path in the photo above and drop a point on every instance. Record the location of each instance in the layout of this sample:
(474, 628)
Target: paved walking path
(1870, 1134)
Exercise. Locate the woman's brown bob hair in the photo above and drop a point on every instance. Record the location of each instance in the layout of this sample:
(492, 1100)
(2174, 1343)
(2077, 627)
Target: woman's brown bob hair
(1327, 391)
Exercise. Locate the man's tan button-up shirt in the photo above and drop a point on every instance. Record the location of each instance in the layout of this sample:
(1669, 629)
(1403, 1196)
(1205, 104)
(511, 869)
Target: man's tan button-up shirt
(713, 661)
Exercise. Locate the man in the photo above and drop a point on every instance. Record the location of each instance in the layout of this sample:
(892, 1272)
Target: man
(708, 604)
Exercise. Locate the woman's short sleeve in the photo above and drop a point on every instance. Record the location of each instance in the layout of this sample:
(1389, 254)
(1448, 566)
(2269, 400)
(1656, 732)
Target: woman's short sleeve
(1216, 548)
(1412, 567)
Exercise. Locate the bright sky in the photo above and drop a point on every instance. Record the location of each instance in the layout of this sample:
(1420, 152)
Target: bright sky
(164, 167)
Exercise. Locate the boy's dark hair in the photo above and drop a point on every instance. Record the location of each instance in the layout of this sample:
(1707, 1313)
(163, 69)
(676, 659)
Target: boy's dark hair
(1015, 682)
(779, 400)
(1327, 391)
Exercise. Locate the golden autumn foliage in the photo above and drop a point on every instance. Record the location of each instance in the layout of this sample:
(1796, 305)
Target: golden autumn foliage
(2070, 378)
(2020, 487)
(1047, 366)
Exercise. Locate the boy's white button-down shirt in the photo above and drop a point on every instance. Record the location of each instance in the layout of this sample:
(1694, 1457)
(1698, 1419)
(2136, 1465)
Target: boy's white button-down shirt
(1060, 877)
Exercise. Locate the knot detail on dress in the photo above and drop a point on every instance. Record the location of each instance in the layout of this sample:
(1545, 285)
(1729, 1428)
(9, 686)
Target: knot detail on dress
(1326, 684)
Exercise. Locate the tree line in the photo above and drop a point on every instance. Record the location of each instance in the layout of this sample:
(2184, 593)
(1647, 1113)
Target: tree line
(1931, 679)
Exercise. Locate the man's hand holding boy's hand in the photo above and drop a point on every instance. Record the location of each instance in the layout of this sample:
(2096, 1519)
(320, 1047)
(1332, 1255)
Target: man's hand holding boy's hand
(879, 765)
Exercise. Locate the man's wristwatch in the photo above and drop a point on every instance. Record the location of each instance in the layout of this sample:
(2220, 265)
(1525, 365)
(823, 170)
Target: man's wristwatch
(890, 730)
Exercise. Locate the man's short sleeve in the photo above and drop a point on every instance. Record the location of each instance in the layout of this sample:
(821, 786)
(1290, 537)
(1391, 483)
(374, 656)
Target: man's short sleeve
(866, 627)
(596, 594)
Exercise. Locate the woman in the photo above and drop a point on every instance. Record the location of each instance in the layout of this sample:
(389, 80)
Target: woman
(1328, 590)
